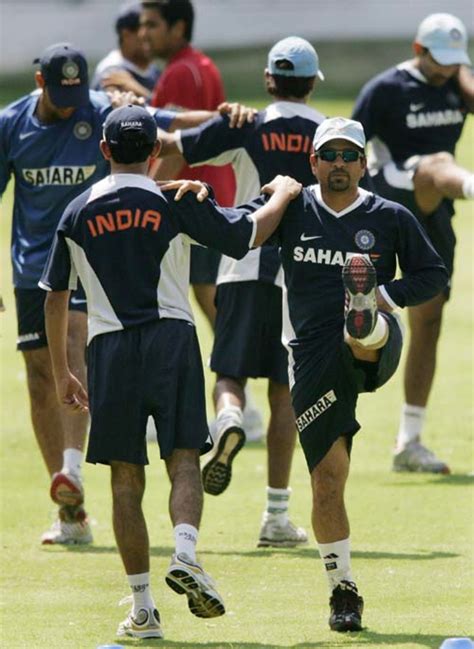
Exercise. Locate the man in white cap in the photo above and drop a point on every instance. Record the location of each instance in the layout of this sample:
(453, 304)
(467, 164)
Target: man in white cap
(248, 324)
(414, 114)
(340, 245)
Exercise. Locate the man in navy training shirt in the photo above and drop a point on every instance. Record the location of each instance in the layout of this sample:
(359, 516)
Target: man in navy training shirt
(336, 353)
(414, 114)
(132, 57)
(49, 142)
(130, 244)
(248, 324)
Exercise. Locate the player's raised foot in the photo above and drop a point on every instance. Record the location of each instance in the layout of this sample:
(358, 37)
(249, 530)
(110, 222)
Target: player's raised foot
(66, 489)
(217, 473)
(144, 624)
(416, 458)
(360, 282)
(346, 608)
(71, 528)
(274, 534)
(186, 577)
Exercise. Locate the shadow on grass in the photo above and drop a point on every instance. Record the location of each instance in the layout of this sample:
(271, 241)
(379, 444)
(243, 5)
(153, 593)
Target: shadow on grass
(305, 553)
(364, 638)
(456, 480)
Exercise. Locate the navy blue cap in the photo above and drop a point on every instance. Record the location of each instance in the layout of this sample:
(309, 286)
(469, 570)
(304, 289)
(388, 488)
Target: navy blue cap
(122, 122)
(64, 69)
(128, 17)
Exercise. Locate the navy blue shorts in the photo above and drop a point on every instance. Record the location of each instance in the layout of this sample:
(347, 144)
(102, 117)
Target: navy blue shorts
(150, 370)
(247, 338)
(438, 226)
(327, 383)
(30, 315)
(204, 265)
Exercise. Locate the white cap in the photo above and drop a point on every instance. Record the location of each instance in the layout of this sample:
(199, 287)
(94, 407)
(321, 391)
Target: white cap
(294, 57)
(445, 37)
(339, 128)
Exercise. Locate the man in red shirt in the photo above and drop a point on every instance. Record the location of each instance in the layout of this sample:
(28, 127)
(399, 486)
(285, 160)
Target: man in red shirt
(190, 80)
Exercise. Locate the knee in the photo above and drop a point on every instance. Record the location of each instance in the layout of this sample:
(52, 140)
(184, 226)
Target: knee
(40, 383)
(127, 482)
(429, 165)
(328, 485)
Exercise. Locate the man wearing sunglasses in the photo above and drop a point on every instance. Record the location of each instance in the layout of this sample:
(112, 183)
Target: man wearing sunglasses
(339, 249)
(414, 114)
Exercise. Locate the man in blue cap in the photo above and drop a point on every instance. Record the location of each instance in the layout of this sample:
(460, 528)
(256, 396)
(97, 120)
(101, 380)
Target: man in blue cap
(132, 55)
(49, 142)
(414, 114)
(130, 245)
(247, 340)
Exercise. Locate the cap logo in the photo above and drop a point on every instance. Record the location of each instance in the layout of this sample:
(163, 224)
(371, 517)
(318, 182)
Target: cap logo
(364, 239)
(135, 122)
(82, 130)
(455, 34)
(70, 69)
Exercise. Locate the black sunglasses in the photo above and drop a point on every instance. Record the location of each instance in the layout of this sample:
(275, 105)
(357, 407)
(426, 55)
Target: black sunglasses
(330, 155)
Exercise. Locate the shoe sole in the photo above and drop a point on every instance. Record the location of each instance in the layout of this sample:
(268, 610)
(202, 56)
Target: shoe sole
(347, 626)
(201, 603)
(359, 279)
(141, 634)
(267, 543)
(217, 473)
(85, 541)
(64, 492)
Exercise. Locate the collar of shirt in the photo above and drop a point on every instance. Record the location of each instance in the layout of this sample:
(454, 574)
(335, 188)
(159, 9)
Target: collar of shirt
(362, 195)
(183, 53)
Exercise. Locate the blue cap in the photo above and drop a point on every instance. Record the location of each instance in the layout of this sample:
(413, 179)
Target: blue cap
(339, 128)
(445, 37)
(64, 69)
(125, 122)
(457, 643)
(294, 57)
(128, 17)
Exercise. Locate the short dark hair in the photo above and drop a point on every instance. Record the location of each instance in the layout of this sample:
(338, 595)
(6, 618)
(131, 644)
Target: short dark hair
(297, 87)
(133, 147)
(173, 10)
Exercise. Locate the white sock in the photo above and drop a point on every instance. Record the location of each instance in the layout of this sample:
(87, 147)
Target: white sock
(277, 504)
(337, 561)
(229, 416)
(468, 187)
(411, 424)
(72, 460)
(140, 586)
(379, 332)
(185, 538)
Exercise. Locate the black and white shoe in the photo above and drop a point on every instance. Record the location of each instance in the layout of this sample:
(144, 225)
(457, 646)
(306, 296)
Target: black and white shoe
(217, 473)
(360, 282)
(346, 608)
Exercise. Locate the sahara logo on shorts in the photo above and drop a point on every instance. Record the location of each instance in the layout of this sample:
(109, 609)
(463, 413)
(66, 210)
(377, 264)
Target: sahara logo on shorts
(313, 412)
(364, 239)
(82, 130)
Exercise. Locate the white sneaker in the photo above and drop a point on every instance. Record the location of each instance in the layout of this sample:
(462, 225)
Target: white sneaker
(217, 472)
(416, 458)
(71, 528)
(145, 624)
(253, 424)
(186, 577)
(277, 535)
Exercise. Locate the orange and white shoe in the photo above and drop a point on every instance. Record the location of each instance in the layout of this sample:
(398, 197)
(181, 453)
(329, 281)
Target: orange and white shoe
(66, 489)
(71, 528)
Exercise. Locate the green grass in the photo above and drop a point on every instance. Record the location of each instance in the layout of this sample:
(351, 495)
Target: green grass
(412, 535)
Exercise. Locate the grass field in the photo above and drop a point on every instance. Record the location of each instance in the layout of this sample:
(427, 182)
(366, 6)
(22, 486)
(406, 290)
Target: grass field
(412, 535)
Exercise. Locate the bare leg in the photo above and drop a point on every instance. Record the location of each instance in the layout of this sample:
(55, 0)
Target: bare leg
(75, 426)
(229, 392)
(425, 326)
(437, 177)
(186, 496)
(45, 408)
(205, 295)
(328, 480)
(281, 436)
(128, 486)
